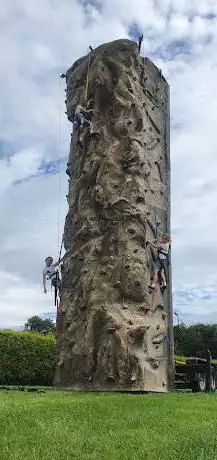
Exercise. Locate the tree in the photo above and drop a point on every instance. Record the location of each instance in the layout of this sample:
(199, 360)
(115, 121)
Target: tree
(196, 339)
(42, 326)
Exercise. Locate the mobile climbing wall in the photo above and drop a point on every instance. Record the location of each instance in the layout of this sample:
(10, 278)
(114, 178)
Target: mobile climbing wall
(113, 332)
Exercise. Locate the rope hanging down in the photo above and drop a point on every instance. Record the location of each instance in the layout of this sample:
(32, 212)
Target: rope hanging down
(87, 81)
(155, 222)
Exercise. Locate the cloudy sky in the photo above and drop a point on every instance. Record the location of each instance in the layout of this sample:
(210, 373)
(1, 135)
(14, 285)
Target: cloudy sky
(38, 41)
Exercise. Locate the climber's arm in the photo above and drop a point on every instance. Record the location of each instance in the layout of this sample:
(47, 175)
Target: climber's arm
(44, 282)
(59, 261)
(153, 245)
(86, 110)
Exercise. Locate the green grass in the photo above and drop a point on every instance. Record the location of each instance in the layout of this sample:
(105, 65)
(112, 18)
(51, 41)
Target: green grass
(105, 426)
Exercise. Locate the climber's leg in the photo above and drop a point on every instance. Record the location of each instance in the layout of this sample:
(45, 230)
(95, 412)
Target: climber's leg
(163, 278)
(88, 123)
(55, 283)
(155, 278)
(79, 120)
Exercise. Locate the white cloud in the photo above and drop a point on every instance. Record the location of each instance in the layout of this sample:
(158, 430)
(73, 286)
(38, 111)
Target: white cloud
(43, 39)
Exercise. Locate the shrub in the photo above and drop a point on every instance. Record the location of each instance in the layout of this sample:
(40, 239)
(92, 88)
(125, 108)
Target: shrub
(26, 358)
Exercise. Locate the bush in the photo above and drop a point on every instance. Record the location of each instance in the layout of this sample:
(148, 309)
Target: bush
(26, 358)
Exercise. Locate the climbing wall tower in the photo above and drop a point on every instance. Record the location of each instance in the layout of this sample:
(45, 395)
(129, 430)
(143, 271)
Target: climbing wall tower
(113, 332)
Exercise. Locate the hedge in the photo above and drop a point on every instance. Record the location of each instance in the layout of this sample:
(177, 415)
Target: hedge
(26, 358)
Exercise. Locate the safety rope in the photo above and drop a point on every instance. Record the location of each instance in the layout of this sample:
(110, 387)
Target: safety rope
(58, 163)
(155, 221)
(87, 81)
(59, 245)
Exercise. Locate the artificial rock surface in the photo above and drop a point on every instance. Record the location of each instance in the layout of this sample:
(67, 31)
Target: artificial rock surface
(114, 333)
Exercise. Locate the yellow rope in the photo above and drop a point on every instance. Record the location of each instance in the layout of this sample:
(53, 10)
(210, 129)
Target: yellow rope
(87, 81)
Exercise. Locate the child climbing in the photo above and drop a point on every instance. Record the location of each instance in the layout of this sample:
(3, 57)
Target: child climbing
(162, 246)
(81, 120)
(50, 272)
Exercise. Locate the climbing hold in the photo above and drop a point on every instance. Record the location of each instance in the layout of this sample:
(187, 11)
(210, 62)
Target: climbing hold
(163, 316)
(142, 163)
(157, 341)
(125, 307)
(133, 378)
(135, 251)
(129, 122)
(111, 377)
(163, 383)
(85, 271)
(133, 105)
(127, 267)
(150, 129)
(137, 283)
(65, 101)
(62, 75)
(131, 231)
(158, 326)
(145, 190)
(161, 192)
(116, 285)
(90, 379)
(111, 329)
(130, 322)
(140, 199)
(115, 186)
(103, 272)
(159, 306)
(152, 190)
(68, 171)
(148, 327)
(153, 107)
(158, 139)
(144, 104)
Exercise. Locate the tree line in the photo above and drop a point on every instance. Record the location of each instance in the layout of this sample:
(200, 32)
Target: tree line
(189, 340)
(195, 339)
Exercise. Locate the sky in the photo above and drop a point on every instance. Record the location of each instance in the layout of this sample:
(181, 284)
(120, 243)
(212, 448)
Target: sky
(39, 41)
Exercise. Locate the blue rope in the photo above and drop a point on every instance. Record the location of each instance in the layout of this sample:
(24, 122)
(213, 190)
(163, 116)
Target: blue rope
(155, 221)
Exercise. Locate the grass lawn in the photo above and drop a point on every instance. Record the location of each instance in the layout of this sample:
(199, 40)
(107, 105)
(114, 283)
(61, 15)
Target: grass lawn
(61, 426)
